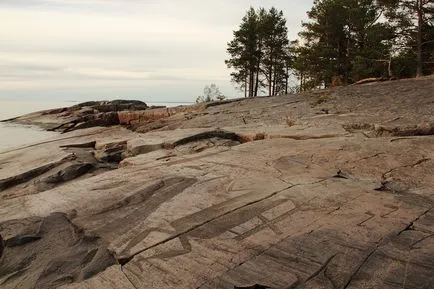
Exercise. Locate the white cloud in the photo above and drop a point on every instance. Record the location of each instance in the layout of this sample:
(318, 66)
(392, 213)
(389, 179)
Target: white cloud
(112, 47)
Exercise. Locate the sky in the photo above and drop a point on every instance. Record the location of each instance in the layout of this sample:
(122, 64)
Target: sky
(159, 51)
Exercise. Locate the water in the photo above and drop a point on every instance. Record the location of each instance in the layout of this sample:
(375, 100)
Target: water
(15, 135)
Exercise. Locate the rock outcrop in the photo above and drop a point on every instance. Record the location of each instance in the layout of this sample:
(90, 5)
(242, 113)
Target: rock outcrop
(50, 251)
(329, 189)
(83, 115)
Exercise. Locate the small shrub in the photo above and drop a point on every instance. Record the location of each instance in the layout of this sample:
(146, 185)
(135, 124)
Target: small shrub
(337, 81)
(323, 98)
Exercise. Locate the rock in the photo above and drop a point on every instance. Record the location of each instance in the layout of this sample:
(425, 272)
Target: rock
(139, 117)
(69, 173)
(113, 105)
(21, 240)
(205, 199)
(59, 255)
(32, 173)
(111, 144)
(110, 152)
(2, 246)
(256, 286)
(83, 115)
(113, 155)
(90, 144)
(142, 146)
(150, 126)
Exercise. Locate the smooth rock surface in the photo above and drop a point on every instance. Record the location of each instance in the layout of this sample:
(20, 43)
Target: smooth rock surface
(281, 192)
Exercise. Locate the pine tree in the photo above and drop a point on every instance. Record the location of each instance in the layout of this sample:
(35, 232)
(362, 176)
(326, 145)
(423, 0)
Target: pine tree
(343, 41)
(370, 41)
(245, 54)
(412, 20)
(258, 52)
(302, 66)
(326, 41)
(274, 49)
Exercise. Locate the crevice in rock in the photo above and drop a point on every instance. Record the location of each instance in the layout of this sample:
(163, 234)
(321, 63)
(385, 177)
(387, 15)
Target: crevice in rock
(125, 260)
(128, 278)
(401, 138)
(305, 137)
(46, 142)
(407, 131)
(369, 157)
(390, 186)
(33, 173)
(373, 130)
(412, 165)
(21, 240)
(410, 226)
(299, 280)
(321, 269)
(413, 246)
(240, 138)
(359, 267)
(211, 134)
(90, 144)
(352, 127)
(108, 157)
(202, 145)
(89, 158)
(82, 160)
(69, 173)
(255, 286)
(341, 175)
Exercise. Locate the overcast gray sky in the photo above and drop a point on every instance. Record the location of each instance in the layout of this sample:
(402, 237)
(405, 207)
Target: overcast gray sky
(165, 50)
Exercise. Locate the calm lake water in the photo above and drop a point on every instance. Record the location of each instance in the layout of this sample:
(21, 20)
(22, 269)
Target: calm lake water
(14, 135)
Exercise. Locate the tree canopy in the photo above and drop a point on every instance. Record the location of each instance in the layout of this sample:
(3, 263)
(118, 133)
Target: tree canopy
(259, 52)
(343, 41)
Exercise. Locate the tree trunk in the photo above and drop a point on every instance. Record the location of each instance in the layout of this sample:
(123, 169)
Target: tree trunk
(270, 81)
(245, 86)
(251, 83)
(389, 66)
(286, 80)
(301, 81)
(257, 80)
(419, 38)
(253, 94)
(274, 82)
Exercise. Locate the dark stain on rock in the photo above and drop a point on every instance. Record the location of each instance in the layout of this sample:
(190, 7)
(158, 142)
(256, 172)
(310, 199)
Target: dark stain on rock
(256, 286)
(52, 250)
(211, 134)
(69, 173)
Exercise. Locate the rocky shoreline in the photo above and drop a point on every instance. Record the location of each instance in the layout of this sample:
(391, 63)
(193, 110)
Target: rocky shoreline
(328, 189)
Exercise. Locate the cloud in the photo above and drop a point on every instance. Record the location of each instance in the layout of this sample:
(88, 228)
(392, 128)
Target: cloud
(104, 47)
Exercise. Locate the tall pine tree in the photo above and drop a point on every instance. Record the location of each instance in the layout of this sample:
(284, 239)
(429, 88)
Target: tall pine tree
(413, 22)
(245, 54)
(344, 41)
(274, 49)
(259, 52)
